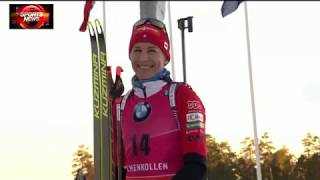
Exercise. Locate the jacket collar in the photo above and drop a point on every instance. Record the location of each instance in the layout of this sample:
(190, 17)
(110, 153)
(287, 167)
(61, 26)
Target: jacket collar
(149, 88)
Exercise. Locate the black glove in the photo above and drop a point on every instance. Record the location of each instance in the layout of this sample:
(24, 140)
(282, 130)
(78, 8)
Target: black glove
(194, 168)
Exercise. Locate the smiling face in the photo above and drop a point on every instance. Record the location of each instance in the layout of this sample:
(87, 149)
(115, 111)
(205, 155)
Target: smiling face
(147, 60)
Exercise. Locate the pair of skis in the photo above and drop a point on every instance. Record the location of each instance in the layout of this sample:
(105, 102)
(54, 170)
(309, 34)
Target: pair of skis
(105, 90)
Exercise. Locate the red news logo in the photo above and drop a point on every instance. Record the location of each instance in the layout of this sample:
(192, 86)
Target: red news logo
(31, 16)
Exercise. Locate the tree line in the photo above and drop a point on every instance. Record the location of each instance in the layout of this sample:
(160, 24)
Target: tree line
(225, 164)
(276, 164)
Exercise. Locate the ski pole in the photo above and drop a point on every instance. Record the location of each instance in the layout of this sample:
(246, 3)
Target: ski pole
(116, 92)
(120, 88)
(181, 26)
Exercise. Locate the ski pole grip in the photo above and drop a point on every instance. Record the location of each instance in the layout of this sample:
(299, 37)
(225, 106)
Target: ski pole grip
(190, 26)
(119, 70)
(181, 24)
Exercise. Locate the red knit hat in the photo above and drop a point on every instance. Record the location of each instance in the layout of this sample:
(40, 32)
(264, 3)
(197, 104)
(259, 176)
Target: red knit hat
(152, 34)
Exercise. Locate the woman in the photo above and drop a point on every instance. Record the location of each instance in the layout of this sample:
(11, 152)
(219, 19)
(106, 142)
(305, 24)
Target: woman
(162, 122)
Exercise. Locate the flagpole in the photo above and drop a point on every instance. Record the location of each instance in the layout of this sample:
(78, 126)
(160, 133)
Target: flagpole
(107, 159)
(104, 15)
(171, 43)
(256, 143)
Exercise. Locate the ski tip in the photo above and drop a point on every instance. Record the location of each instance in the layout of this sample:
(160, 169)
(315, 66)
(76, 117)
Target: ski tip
(98, 26)
(90, 28)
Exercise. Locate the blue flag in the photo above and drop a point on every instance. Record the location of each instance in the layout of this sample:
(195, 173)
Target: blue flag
(228, 7)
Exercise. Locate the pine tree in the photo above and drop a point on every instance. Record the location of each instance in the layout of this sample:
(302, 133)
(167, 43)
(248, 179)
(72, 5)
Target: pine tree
(82, 164)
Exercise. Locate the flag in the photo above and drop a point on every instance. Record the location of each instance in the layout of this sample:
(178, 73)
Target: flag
(86, 13)
(228, 7)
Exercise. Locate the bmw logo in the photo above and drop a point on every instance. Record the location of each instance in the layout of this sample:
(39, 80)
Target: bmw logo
(141, 111)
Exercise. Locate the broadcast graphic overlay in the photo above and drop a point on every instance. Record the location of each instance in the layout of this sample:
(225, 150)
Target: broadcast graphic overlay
(31, 16)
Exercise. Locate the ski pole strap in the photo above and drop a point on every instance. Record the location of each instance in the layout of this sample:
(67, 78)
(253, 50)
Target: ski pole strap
(86, 13)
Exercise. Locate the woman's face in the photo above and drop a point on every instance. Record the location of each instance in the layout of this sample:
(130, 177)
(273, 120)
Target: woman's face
(147, 60)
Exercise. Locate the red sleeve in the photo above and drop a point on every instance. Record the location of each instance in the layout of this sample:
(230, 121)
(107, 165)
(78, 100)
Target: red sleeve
(192, 118)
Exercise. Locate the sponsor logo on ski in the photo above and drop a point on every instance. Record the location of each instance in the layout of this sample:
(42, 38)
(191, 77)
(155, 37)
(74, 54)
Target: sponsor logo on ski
(96, 87)
(104, 88)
